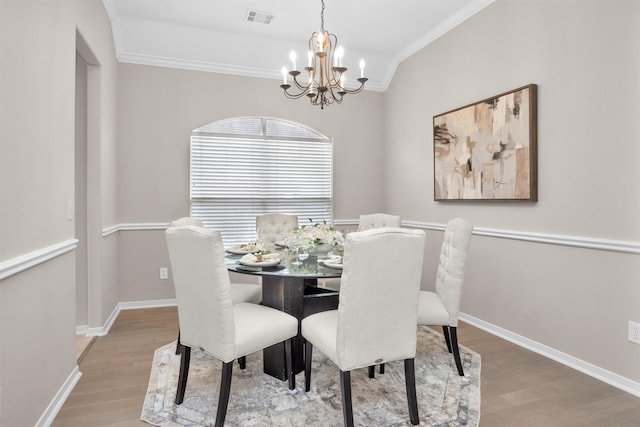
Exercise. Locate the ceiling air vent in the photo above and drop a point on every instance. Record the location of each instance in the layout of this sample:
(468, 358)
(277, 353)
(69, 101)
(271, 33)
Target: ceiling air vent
(259, 17)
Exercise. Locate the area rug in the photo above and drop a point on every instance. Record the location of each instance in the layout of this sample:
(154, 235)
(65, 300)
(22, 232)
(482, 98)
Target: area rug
(444, 398)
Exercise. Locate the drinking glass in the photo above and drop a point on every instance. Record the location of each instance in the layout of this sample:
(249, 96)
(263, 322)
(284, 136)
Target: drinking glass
(302, 255)
(294, 245)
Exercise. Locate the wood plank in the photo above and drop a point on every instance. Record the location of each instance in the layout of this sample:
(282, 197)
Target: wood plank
(519, 387)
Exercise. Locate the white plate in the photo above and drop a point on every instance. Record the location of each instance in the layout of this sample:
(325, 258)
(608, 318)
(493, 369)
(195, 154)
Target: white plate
(237, 250)
(333, 265)
(260, 264)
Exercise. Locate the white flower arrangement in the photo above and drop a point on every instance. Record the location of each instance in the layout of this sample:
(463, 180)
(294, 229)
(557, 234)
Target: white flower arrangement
(308, 236)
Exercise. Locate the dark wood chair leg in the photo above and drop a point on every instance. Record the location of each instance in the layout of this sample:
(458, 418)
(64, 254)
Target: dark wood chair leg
(410, 379)
(308, 353)
(178, 345)
(242, 361)
(456, 350)
(347, 407)
(382, 368)
(289, 363)
(184, 373)
(372, 371)
(225, 389)
(447, 338)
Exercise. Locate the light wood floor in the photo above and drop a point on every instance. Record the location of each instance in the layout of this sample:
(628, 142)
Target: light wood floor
(519, 387)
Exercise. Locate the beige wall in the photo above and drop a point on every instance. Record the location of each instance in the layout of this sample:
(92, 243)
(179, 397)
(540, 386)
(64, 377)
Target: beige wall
(584, 57)
(158, 109)
(37, 127)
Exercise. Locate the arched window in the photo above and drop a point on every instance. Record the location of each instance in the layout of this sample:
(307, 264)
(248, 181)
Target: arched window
(249, 166)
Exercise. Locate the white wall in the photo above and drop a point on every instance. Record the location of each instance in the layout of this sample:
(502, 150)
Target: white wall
(37, 125)
(585, 58)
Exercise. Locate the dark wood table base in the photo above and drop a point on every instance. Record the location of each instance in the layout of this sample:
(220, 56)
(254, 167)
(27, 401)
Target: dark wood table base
(298, 297)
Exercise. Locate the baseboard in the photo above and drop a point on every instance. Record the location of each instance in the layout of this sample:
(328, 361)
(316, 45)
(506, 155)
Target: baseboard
(61, 396)
(104, 330)
(603, 375)
(132, 305)
(129, 305)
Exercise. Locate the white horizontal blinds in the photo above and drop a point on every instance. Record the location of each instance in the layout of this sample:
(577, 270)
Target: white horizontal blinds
(241, 168)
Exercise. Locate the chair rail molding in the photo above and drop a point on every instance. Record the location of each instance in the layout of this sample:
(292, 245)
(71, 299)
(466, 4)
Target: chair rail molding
(553, 239)
(624, 246)
(26, 261)
(141, 226)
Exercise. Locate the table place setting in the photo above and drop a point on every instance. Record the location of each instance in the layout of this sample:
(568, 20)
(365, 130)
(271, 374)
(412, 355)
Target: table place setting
(246, 248)
(333, 261)
(260, 259)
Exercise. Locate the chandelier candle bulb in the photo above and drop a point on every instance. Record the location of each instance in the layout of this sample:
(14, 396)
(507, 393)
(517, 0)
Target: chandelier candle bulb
(310, 55)
(361, 68)
(284, 75)
(292, 56)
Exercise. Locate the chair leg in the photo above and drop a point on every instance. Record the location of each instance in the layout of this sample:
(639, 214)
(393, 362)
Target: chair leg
(410, 379)
(289, 363)
(372, 371)
(456, 349)
(178, 345)
(184, 373)
(382, 368)
(225, 389)
(447, 339)
(242, 361)
(347, 407)
(308, 353)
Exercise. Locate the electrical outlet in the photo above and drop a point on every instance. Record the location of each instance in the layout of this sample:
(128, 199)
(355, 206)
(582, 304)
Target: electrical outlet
(634, 332)
(164, 273)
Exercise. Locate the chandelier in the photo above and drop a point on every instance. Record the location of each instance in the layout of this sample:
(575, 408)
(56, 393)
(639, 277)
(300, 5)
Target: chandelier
(325, 84)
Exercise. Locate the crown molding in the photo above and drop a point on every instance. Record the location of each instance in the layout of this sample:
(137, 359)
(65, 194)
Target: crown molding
(210, 67)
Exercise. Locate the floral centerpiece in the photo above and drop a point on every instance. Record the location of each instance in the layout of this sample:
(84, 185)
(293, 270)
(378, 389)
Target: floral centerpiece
(318, 238)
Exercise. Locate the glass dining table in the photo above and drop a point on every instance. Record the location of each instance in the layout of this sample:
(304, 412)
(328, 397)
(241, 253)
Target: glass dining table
(294, 289)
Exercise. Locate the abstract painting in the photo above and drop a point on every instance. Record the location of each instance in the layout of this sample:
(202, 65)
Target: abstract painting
(487, 150)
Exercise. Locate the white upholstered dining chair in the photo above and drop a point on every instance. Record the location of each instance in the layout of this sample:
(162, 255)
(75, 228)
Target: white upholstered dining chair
(378, 220)
(208, 319)
(376, 319)
(441, 307)
(272, 228)
(367, 222)
(240, 292)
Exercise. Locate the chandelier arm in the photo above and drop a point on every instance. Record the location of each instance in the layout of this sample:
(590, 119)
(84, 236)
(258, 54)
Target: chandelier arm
(297, 83)
(362, 81)
(294, 95)
(337, 98)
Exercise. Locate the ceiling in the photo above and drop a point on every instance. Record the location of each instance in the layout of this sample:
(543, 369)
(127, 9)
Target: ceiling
(215, 36)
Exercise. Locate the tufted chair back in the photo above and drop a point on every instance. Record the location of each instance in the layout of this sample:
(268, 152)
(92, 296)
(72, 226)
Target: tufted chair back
(275, 227)
(377, 311)
(450, 275)
(378, 220)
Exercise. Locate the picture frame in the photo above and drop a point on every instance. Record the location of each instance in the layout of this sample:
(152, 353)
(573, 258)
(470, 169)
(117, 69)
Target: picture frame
(487, 151)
